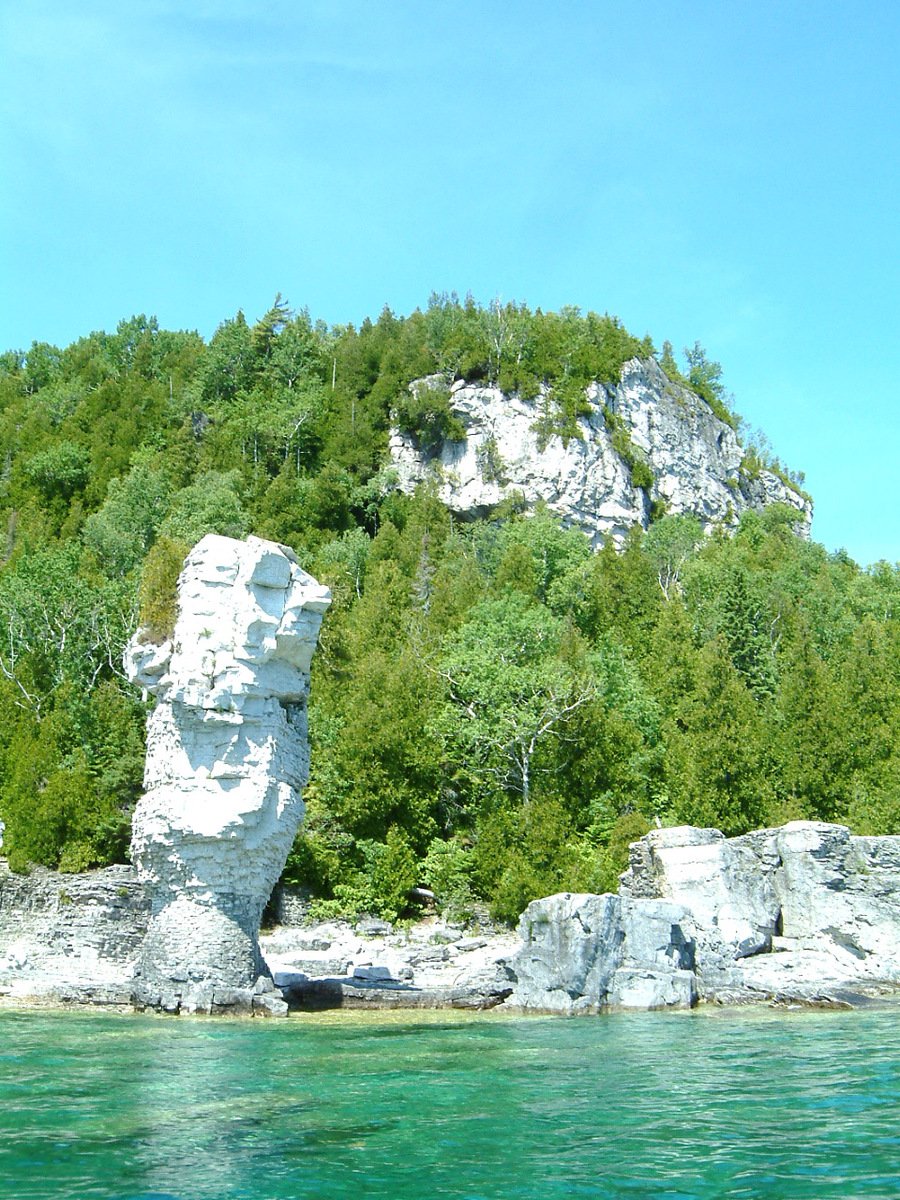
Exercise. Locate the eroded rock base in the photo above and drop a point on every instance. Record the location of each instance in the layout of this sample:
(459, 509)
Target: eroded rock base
(170, 975)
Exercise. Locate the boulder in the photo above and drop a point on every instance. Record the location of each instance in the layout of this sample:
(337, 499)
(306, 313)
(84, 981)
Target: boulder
(583, 953)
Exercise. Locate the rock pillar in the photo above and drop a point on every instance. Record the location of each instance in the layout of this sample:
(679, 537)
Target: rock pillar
(227, 758)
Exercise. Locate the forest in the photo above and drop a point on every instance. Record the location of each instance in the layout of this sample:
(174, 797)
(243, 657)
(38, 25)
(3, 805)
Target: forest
(496, 711)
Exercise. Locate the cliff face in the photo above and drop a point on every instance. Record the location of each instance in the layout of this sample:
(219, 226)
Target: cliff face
(227, 757)
(694, 458)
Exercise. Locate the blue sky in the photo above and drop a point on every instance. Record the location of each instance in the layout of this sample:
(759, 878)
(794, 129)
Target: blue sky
(724, 172)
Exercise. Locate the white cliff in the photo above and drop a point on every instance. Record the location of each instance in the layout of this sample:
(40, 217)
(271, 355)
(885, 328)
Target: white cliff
(695, 459)
(227, 758)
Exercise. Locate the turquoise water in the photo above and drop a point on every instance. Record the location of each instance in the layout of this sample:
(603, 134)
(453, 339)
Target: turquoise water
(722, 1104)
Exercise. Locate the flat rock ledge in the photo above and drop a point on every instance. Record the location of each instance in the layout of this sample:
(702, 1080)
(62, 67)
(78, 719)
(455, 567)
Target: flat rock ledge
(805, 914)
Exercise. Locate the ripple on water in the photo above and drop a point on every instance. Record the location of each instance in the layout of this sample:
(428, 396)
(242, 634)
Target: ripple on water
(674, 1107)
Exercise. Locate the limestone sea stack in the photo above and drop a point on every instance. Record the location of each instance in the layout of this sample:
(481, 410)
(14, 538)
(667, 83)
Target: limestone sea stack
(227, 758)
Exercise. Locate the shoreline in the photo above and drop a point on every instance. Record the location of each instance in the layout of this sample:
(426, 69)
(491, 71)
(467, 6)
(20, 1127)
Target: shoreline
(377, 1015)
(797, 917)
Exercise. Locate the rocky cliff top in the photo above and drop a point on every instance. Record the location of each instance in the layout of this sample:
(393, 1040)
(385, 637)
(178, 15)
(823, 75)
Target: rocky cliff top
(640, 448)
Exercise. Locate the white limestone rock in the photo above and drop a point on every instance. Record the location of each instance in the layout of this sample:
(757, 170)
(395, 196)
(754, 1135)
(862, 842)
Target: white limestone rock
(584, 953)
(227, 758)
(570, 950)
(695, 458)
(794, 911)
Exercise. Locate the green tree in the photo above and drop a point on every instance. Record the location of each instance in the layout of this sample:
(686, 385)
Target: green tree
(669, 544)
(717, 753)
(210, 505)
(125, 527)
(509, 691)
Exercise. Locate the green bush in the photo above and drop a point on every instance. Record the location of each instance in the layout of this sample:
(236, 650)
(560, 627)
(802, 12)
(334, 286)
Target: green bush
(158, 595)
(447, 870)
(425, 414)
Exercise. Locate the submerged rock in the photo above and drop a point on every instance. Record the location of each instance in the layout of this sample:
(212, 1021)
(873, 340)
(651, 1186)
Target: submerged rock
(227, 758)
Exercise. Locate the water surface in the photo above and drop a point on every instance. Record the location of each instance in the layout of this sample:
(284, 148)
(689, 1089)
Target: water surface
(671, 1106)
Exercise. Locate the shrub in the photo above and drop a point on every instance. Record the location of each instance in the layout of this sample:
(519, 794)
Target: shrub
(447, 870)
(158, 596)
(425, 414)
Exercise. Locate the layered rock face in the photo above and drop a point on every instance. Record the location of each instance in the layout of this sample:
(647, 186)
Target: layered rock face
(694, 457)
(788, 911)
(71, 937)
(227, 757)
(805, 912)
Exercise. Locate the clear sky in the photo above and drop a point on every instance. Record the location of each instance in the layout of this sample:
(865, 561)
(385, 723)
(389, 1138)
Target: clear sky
(722, 171)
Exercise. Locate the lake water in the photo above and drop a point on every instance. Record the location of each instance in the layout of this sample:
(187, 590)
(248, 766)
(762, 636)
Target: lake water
(709, 1104)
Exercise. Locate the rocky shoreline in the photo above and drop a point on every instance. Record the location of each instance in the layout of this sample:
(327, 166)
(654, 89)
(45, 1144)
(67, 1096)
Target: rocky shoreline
(804, 914)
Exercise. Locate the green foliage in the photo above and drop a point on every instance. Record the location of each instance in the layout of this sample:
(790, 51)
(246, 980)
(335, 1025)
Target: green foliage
(426, 414)
(512, 691)
(71, 781)
(158, 595)
(123, 529)
(447, 869)
(211, 505)
(705, 378)
(670, 544)
(630, 454)
(563, 407)
(59, 625)
(490, 461)
(60, 470)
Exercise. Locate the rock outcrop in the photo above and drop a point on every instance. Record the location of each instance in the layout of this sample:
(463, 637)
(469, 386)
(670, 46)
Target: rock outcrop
(71, 938)
(696, 461)
(582, 953)
(793, 912)
(806, 912)
(227, 757)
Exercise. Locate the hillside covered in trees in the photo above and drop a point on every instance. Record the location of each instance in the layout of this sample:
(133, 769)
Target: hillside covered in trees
(496, 710)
